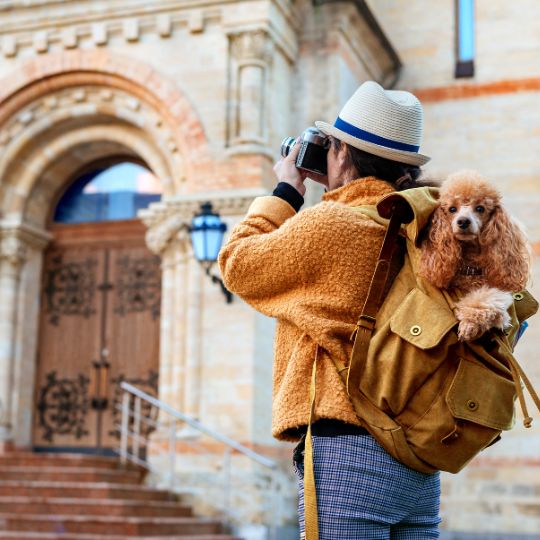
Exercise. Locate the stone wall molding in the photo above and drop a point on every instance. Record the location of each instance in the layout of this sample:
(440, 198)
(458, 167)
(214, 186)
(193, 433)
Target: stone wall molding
(69, 31)
(184, 207)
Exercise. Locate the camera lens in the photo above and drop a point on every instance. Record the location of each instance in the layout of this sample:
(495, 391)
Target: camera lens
(287, 145)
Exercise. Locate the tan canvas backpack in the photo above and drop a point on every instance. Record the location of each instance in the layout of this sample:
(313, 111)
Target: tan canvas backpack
(431, 401)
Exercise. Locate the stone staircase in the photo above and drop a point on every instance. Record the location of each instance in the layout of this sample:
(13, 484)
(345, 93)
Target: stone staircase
(78, 497)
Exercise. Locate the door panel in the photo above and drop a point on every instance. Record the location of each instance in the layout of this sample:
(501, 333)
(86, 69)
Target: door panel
(69, 340)
(132, 325)
(99, 326)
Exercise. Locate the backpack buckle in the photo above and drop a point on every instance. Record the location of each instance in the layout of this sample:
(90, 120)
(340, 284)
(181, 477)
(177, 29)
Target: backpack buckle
(364, 321)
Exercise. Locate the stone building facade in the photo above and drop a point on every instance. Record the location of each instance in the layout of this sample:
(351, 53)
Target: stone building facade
(202, 93)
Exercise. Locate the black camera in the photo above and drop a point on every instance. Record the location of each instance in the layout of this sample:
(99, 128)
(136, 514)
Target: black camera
(312, 155)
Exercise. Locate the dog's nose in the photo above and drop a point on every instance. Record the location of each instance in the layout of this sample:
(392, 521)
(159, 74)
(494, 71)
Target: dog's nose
(464, 223)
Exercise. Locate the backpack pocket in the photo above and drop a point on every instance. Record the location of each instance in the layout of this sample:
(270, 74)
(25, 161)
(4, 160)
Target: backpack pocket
(421, 321)
(466, 416)
(409, 344)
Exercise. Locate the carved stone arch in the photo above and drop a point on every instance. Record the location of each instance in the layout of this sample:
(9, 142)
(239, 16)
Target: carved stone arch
(63, 157)
(33, 88)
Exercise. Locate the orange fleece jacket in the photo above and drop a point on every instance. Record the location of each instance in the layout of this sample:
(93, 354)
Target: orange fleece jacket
(310, 271)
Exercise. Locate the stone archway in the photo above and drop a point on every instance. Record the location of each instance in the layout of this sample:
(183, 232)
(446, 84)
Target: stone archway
(41, 77)
(57, 114)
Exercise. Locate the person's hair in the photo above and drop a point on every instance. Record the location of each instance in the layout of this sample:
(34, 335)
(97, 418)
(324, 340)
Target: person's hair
(400, 175)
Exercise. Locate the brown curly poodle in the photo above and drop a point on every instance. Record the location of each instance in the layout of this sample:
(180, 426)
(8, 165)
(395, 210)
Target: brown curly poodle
(474, 247)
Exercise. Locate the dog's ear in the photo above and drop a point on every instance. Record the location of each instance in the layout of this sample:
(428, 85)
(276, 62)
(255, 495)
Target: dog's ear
(505, 251)
(440, 252)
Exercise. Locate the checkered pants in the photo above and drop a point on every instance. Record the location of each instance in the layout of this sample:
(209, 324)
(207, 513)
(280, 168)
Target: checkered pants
(363, 493)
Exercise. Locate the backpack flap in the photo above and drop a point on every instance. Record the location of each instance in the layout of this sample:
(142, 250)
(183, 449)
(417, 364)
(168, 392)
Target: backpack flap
(525, 304)
(481, 396)
(421, 321)
(422, 201)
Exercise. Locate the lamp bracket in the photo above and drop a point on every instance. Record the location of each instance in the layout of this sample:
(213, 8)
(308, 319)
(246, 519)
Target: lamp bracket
(216, 279)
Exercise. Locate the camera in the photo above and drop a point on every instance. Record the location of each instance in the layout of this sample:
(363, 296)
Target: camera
(312, 155)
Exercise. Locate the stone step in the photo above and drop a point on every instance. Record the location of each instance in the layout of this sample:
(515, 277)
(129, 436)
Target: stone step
(88, 490)
(53, 459)
(69, 474)
(87, 507)
(24, 535)
(103, 525)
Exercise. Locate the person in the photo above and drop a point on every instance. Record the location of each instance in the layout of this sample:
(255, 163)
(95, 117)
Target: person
(311, 271)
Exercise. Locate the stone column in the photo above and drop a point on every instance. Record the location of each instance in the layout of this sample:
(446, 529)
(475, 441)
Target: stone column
(16, 240)
(180, 339)
(12, 257)
(183, 283)
(168, 239)
(193, 339)
(250, 59)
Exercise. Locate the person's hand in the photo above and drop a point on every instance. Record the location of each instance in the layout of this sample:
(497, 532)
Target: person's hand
(319, 178)
(287, 172)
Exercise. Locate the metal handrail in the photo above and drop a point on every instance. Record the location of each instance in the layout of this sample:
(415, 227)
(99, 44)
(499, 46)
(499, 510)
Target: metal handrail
(133, 439)
(227, 441)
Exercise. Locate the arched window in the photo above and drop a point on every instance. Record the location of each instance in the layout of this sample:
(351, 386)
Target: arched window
(110, 193)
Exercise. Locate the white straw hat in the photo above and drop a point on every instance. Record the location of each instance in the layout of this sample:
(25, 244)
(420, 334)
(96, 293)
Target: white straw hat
(387, 123)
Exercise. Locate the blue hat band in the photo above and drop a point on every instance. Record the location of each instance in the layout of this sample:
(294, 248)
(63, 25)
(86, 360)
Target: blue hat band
(372, 138)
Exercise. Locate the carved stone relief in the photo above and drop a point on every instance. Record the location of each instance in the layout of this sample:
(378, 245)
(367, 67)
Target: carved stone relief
(250, 63)
(116, 102)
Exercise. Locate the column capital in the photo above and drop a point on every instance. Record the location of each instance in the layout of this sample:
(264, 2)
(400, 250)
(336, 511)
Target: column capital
(254, 45)
(168, 221)
(171, 230)
(13, 250)
(16, 238)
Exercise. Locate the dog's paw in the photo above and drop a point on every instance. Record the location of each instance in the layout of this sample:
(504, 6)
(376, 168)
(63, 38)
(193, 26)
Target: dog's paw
(468, 331)
(481, 310)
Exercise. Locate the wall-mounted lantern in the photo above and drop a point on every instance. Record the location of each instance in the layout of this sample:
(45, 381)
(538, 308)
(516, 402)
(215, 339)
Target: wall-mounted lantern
(207, 232)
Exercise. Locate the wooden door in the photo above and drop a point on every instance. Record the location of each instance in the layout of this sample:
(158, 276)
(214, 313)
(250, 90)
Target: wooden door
(99, 327)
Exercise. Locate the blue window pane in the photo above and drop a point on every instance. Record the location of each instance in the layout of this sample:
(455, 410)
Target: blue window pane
(108, 194)
(466, 30)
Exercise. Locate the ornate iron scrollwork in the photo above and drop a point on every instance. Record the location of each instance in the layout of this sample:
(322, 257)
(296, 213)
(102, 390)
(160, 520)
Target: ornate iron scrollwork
(138, 286)
(70, 288)
(148, 385)
(63, 405)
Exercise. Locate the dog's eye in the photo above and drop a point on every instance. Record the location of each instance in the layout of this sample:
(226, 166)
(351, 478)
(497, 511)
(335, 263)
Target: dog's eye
(480, 209)
(452, 209)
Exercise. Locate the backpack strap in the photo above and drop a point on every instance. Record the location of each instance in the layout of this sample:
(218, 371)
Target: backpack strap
(401, 213)
(311, 518)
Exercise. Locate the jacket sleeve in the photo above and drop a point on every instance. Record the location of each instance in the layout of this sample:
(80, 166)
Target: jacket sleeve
(267, 257)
